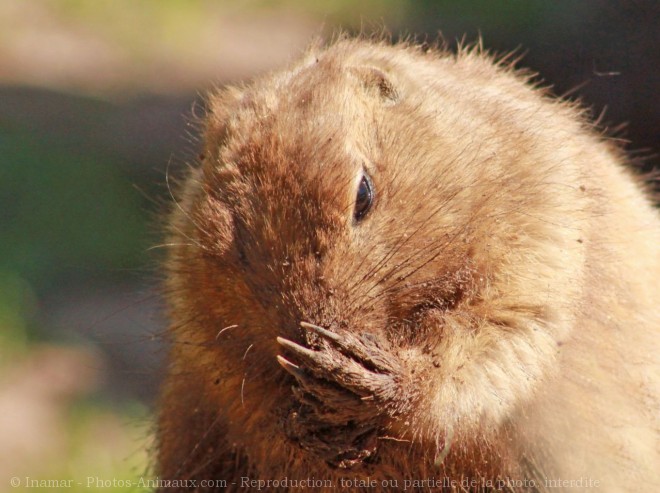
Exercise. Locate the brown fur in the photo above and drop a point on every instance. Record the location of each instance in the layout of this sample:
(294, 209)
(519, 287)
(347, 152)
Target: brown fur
(496, 310)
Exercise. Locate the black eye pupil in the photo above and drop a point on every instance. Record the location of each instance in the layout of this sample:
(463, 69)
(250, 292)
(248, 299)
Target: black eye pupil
(364, 199)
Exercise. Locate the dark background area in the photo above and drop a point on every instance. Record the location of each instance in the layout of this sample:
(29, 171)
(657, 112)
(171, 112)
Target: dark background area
(96, 103)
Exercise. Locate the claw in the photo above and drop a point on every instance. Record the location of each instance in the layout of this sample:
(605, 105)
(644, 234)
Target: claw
(314, 360)
(320, 331)
(303, 379)
(290, 367)
(295, 348)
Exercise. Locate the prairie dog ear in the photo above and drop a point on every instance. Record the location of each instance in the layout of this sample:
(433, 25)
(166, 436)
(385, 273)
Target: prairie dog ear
(376, 81)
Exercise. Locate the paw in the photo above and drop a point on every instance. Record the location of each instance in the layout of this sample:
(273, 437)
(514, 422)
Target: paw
(346, 386)
(357, 365)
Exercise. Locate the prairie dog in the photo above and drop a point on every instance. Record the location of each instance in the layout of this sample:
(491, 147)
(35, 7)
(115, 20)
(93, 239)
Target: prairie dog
(396, 266)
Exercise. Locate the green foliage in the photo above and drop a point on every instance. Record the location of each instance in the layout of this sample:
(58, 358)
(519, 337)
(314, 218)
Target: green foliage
(16, 299)
(61, 212)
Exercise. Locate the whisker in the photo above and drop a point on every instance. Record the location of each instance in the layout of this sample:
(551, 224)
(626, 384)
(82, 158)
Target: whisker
(168, 245)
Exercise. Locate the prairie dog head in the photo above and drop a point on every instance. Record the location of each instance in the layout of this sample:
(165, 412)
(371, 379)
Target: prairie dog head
(375, 244)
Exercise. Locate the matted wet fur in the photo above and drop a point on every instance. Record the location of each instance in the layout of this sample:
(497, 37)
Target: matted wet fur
(490, 321)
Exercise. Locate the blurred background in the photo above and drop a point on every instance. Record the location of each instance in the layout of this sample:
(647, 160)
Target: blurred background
(96, 105)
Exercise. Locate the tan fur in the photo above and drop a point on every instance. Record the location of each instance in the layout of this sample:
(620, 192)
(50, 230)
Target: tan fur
(509, 268)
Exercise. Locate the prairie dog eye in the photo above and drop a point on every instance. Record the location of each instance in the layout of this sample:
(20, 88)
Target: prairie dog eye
(364, 198)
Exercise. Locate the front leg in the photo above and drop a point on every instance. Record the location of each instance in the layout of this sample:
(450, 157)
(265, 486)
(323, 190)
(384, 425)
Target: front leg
(348, 388)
